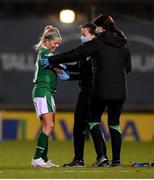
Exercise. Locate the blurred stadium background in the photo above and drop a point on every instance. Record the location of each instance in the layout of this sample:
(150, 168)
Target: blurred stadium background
(22, 21)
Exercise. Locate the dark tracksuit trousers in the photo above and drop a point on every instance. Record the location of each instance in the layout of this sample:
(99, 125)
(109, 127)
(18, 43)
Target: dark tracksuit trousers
(80, 116)
(81, 120)
(114, 108)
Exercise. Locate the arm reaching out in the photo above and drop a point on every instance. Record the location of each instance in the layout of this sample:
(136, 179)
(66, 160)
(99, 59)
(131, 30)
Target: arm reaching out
(83, 51)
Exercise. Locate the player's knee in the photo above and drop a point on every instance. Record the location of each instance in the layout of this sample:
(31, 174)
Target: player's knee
(49, 129)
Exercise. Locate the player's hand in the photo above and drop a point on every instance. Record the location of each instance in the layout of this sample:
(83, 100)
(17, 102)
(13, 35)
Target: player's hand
(45, 62)
(63, 75)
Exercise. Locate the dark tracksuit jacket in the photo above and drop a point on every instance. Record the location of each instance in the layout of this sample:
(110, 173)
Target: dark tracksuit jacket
(82, 71)
(112, 61)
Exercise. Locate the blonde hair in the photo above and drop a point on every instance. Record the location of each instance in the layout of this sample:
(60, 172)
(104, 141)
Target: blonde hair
(49, 33)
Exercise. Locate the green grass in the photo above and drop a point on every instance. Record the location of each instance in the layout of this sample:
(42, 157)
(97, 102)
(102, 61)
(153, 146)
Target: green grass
(15, 158)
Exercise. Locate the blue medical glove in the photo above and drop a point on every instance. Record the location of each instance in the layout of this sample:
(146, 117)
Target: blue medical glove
(63, 75)
(45, 62)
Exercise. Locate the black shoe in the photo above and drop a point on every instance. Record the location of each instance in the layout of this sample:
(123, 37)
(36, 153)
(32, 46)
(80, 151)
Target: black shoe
(152, 164)
(115, 163)
(101, 162)
(75, 163)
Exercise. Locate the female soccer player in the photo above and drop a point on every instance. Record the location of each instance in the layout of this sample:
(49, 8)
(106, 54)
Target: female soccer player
(45, 81)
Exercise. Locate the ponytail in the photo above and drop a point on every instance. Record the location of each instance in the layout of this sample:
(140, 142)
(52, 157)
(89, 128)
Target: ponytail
(49, 33)
(120, 34)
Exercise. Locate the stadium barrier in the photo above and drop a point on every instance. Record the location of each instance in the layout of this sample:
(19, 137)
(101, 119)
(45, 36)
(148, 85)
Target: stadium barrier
(26, 126)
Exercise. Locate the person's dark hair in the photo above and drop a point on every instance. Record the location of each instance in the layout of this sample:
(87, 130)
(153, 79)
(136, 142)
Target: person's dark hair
(107, 23)
(90, 26)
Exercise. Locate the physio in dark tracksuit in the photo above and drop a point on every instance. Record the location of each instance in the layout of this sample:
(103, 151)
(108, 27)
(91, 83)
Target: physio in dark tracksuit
(113, 90)
(112, 62)
(82, 108)
(82, 71)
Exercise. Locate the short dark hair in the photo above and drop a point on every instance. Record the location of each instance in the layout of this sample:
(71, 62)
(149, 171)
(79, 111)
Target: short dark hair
(90, 26)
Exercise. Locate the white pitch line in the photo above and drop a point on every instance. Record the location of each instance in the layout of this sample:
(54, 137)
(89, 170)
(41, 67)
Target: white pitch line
(71, 171)
(85, 171)
(68, 171)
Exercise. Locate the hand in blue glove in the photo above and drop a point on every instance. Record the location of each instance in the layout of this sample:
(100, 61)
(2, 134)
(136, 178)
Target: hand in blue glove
(45, 62)
(63, 75)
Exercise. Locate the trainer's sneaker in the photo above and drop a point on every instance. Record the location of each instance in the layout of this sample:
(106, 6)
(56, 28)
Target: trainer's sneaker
(51, 164)
(75, 163)
(39, 163)
(115, 163)
(101, 162)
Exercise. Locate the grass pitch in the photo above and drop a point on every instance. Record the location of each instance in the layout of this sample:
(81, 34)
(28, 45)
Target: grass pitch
(15, 158)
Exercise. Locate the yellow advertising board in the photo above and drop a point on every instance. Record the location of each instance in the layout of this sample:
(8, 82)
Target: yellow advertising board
(25, 125)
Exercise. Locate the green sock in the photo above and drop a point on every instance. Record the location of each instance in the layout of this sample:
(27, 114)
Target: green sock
(45, 154)
(41, 145)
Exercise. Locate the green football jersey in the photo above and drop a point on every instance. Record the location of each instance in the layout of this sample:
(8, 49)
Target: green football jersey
(44, 78)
